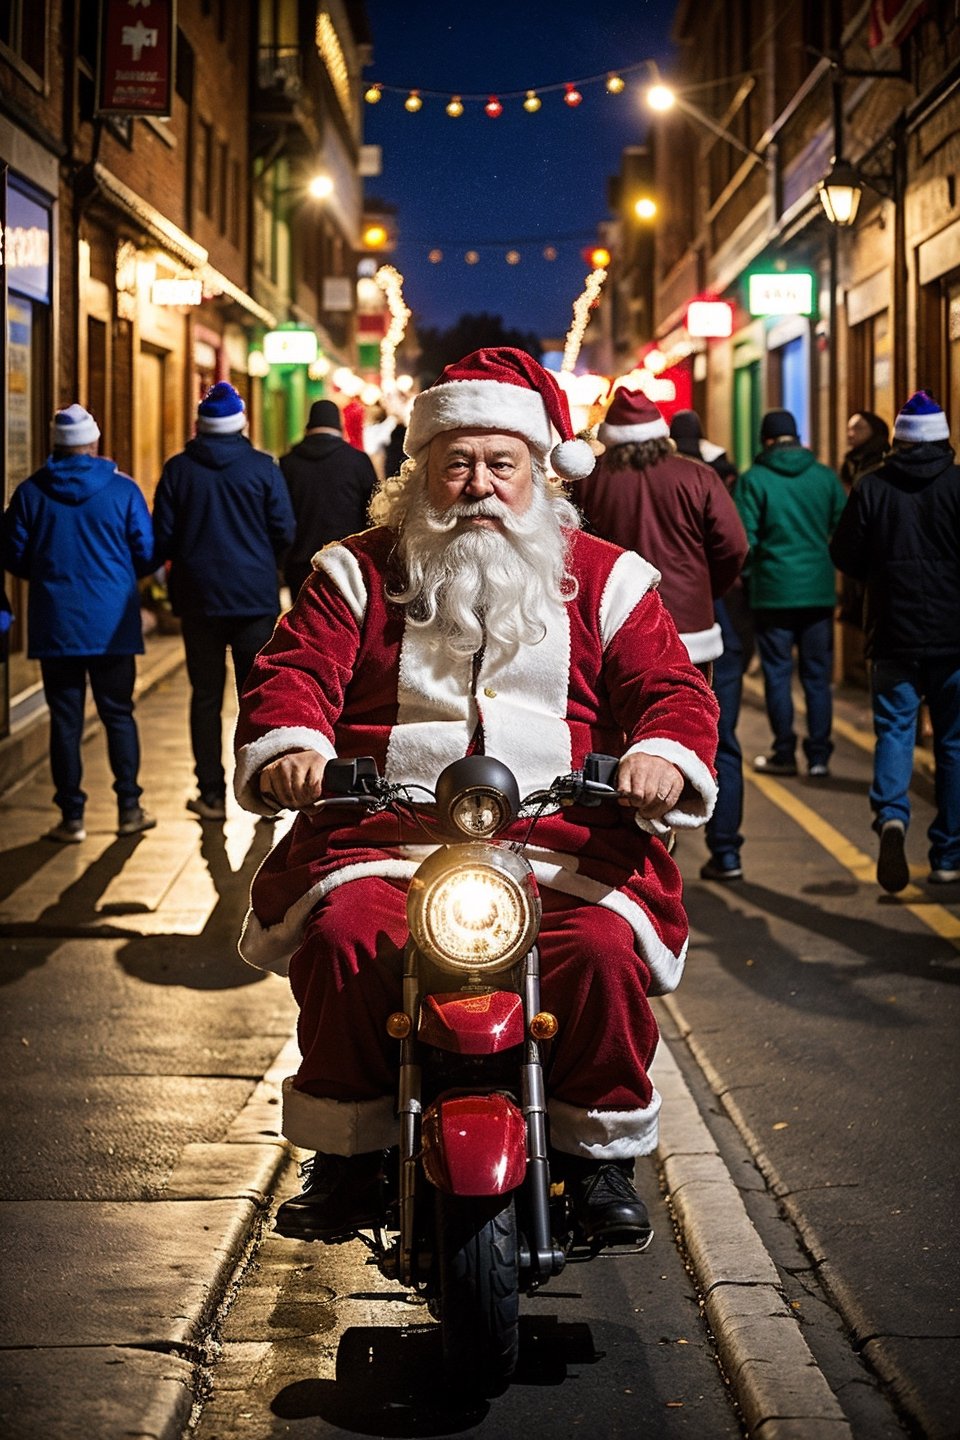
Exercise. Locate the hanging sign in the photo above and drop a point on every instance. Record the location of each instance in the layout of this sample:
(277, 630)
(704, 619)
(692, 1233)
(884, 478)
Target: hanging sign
(136, 57)
(709, 319)
(290, 347)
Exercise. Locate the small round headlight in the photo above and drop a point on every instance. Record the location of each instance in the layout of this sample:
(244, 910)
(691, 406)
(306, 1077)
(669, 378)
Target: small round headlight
(474, 908)
(476, 796)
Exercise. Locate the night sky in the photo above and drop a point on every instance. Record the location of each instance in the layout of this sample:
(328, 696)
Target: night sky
(524, 181)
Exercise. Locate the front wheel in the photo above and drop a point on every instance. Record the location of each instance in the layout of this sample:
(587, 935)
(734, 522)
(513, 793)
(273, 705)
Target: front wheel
(479, 1289)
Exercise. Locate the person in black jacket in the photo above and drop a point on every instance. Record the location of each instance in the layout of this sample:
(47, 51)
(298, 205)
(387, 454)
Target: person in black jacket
(900, 534)
(330, 484)
(222, 518)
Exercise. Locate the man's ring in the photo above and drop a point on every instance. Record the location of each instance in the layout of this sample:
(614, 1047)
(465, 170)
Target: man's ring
(661, 794)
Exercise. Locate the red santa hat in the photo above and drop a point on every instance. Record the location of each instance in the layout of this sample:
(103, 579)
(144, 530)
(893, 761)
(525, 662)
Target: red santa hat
(501, 389)
(631, 418)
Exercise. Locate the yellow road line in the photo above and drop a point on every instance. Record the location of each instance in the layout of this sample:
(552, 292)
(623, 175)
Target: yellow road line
(936, 917)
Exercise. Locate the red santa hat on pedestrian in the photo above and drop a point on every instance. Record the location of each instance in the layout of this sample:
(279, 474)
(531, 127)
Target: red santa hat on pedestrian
(631, 418)
(501, 389)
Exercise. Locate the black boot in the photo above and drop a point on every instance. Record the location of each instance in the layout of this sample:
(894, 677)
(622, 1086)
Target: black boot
(607, 1208)
(343, 1193)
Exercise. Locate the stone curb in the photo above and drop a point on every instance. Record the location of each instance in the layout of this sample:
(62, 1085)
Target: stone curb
(771, 1370)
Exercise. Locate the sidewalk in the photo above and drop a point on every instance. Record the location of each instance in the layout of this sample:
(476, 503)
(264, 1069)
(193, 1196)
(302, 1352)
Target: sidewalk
(110, 1305)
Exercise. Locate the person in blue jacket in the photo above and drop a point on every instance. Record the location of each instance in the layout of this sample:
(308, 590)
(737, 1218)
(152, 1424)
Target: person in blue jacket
(223, 520)
(79, 531)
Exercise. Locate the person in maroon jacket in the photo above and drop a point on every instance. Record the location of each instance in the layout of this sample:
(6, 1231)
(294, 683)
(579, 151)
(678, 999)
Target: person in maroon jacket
(672, 510)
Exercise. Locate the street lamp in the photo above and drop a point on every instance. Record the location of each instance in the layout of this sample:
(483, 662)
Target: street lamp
(320, 187)
(840, 193)
(661, 97)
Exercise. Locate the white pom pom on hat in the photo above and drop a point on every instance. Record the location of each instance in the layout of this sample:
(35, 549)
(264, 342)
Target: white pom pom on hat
(72, 427)
(501, 388)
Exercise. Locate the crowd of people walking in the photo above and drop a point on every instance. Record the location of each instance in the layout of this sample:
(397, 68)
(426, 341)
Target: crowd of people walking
(761, 563)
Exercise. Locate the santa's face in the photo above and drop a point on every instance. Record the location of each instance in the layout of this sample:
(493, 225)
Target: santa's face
(470, 467)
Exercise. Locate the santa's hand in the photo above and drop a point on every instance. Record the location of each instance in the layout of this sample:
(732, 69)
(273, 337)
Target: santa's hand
(294, 781)
(649, 784)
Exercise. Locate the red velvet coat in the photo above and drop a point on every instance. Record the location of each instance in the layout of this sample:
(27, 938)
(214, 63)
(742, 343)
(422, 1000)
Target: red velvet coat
(346, 676)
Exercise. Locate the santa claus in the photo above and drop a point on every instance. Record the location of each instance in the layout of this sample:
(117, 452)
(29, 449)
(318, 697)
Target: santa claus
(476, 617)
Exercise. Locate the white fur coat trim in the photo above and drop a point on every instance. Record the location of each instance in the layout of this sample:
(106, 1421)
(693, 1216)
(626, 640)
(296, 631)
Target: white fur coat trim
(604, 1134)
(703, 645)
(355, 1127)
(252, 758)
(338, 1127)
(628, 581)
(698, 811)
(270, 948)
(344, 570)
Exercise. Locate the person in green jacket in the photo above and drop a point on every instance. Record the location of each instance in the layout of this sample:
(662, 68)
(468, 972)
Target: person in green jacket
(789, 504)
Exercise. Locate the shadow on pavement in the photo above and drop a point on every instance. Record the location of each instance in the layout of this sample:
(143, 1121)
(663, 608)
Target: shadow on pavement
(387, 1379)
(209, 960)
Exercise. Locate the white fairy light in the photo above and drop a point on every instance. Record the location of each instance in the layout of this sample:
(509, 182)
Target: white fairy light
(391, 283)
(581, 314)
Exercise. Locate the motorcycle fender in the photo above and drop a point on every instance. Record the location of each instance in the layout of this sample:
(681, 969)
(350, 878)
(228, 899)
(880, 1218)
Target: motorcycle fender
(474, 1144)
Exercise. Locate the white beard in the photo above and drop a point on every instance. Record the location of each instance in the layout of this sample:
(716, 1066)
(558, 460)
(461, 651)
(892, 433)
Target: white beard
(475, 584)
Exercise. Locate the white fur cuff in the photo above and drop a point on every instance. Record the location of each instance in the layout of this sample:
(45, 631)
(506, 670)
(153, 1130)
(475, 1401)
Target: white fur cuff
(338, 1127)
(604, 1134)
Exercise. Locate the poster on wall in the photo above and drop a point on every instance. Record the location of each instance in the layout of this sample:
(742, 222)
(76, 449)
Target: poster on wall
(136, 57)
(19, 447)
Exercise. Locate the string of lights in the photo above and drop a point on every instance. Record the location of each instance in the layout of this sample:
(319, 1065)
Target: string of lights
(457, 103)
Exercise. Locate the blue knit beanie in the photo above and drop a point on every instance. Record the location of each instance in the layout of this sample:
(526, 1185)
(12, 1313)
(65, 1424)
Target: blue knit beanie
(221, 411)
(921, 419)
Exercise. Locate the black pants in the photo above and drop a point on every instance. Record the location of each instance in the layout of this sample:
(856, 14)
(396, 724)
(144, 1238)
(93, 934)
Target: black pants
(65, 687)
(205, 640)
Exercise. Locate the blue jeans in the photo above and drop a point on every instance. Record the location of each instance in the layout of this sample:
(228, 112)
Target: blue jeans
(723, 828)
(65, 687)
(205, 640)
(898, 687)
(809, 630)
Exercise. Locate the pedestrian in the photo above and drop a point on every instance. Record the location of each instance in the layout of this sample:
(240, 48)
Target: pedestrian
(900, 534)
(790, 504)
(476, 616)
(675, 512)
(723, 831)
(78, 530)
(868, 439)
(330, 484)
(686, 432)
(223, 520)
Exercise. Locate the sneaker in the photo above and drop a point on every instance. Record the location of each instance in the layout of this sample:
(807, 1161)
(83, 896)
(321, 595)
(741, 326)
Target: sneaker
(818, 772)
(720, 869)
(893, 872)
(770, 765)
(134, 820)
(68, 832)
(943, 877)
(209, 807)
(343, 1193)
(608, 1208)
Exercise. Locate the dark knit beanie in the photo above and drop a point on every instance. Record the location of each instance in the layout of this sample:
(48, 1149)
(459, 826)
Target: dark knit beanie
(777, 425)
(324, 415)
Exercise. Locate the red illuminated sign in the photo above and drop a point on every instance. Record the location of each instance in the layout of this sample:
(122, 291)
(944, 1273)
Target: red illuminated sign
(137, 49)
(710, 319)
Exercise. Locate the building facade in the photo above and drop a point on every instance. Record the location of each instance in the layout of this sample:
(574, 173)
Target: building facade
(145, 258)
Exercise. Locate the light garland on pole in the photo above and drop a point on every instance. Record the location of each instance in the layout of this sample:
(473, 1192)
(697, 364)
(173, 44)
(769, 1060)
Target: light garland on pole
(391, 283)
(581, 315)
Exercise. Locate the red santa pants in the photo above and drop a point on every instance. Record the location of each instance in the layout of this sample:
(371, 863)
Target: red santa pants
(346, 978)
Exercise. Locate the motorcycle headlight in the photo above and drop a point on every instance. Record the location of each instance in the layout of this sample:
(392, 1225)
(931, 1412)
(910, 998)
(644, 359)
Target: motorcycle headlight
(474, 908)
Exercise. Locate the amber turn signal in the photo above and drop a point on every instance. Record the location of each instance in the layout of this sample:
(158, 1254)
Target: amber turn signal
(543, 1026)
(398, 1025)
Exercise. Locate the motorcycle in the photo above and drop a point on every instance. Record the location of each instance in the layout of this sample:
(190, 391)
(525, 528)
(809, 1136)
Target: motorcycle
(467, 1199)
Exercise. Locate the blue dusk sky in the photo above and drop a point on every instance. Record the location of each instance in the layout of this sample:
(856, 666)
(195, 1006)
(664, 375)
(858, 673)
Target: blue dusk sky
(520, 181)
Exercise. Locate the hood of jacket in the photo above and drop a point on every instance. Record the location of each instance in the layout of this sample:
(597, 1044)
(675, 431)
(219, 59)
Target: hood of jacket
(786, 459)
(318, 447)
(216, 452)
(72, 479)
(919, 465)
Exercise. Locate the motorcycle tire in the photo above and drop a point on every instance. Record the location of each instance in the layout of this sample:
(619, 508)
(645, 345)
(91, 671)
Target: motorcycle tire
(479, 1307)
